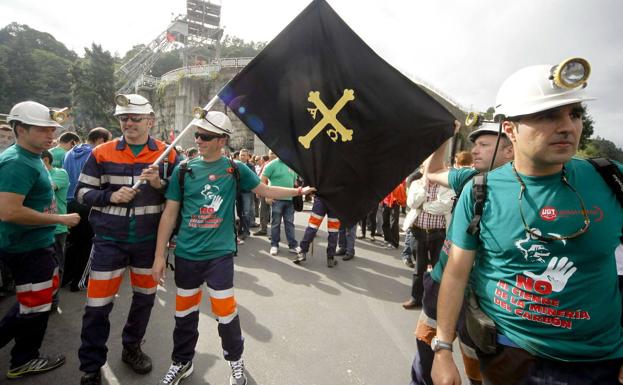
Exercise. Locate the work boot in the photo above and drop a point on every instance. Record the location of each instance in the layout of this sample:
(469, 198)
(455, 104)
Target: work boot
(237, 373)
(340, 251)
(94, 378)
(331, 262)
(259, 232)
(176, 373)
(134, 356)
(300, 257)
(37, 365)
(348, 257)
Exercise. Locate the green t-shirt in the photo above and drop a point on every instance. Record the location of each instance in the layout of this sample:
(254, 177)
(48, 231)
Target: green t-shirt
(457, 178)
(279, 174)
(207, 227)
(60, 179)
(22, 172)
(58, 154)
(557, 299)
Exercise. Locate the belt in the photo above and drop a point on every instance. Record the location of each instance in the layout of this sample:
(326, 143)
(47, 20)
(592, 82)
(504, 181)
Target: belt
(429, 231)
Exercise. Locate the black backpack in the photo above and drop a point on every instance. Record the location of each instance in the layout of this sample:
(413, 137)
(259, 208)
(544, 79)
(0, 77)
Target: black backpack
(608, 171)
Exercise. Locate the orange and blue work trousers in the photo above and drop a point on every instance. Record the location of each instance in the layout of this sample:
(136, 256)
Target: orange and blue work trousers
(319, 210)
(109, 261)
(218, 274)
(36, 281)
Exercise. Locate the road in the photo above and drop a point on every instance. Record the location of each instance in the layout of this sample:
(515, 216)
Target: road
(303, 325)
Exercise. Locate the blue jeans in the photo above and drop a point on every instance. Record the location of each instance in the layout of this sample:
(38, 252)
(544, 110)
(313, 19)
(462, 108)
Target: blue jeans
(285, 210)
(248, 211)
(346, 239)
(407, 252)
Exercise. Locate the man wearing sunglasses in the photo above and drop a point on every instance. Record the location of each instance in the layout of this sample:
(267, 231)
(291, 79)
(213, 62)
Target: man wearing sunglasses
(547, 281)
(206, 243)
(124, 222)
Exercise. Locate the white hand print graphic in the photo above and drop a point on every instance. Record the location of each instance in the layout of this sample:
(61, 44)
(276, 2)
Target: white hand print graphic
(215, 204)
(557, 273)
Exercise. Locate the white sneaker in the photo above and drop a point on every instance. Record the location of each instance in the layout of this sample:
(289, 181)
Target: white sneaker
(237, 373)
(295, 250)
(274, 250)
(177, 372)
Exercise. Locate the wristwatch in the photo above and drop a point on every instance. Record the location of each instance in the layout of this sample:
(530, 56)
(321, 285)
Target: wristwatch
(437, 345)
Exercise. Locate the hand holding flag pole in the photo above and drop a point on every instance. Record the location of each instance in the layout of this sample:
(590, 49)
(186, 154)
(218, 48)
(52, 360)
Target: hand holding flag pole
(179, 137)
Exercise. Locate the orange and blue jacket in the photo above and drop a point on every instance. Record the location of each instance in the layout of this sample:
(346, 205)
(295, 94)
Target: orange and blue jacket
(111, 166)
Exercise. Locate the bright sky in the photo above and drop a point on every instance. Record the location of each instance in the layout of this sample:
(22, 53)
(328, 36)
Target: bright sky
(465, 49)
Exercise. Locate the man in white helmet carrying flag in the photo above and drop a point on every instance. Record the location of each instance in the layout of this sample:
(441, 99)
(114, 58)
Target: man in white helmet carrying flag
(204, 192)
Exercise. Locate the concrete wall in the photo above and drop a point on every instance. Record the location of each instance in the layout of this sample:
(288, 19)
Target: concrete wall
(174, 101)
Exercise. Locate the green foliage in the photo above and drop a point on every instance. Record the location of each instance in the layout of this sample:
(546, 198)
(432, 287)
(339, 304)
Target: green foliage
(93, 90)
(33, 66)
(236, 47)
(587, 130)
(600, 147)
(167, 62)
(489, 113)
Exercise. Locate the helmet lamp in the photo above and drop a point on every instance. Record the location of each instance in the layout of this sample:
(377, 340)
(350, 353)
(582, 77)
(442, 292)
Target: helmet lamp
(571, 73)
(59, 116)
(198, 113)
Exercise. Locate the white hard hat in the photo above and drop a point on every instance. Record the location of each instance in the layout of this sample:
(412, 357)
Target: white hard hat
(132, 104)
(487, 128)
(214, 121)
(543, 87)
(33, 113)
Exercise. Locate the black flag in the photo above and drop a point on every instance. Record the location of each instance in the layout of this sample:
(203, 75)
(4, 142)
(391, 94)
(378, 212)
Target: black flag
(335, 112)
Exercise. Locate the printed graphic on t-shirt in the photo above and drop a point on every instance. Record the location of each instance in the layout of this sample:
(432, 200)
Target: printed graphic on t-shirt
(529, 296)
(207, 216)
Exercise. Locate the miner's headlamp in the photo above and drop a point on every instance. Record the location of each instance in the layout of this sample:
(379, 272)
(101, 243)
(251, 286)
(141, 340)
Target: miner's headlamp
(124, 101)
(199, 113)
(571, 73)
(59, 116)
(474, 119)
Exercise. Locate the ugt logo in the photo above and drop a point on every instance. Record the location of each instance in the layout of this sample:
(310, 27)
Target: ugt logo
(548, 213)
(328, 118)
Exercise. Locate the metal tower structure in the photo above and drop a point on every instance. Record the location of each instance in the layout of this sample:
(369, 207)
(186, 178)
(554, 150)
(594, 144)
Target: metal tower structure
(200, 27)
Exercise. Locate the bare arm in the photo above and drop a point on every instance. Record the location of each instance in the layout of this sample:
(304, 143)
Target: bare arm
(449, 304)
(276, 192)
(165, 229)
(435, 170)
(12, 210)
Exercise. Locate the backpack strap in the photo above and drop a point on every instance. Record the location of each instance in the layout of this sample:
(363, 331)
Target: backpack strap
(611, 175)
(479, 192)
(233, 169)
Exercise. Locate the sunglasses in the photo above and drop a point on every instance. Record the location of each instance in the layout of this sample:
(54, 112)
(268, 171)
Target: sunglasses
(206, 137)
(135, 119)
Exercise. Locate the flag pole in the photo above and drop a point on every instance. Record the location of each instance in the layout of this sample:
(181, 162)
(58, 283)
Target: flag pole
(182, 133)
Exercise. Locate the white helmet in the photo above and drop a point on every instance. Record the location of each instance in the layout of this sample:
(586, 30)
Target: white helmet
(213, 121)
(487, 128)
(33, 113)
(543, 87)
(132, 104)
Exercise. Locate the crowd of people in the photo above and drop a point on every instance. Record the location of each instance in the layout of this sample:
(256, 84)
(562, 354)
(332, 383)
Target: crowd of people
(504, 252)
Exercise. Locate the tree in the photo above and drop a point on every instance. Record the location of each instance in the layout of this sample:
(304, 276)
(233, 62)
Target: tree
(233, 46)
(33, 66)
(600, 147)
(587, 130)
(93, 92)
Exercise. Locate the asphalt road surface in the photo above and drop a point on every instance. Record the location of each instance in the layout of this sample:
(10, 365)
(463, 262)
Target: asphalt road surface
(303, 325)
